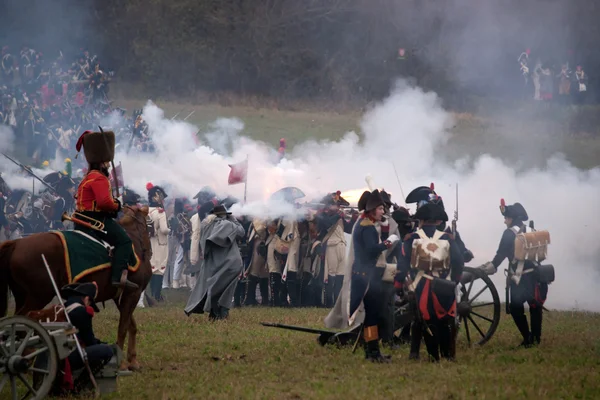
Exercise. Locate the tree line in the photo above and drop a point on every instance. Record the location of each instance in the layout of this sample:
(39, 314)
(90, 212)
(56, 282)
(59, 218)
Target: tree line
(338, 50)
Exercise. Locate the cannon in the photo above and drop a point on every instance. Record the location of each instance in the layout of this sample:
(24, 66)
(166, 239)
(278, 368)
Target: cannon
(476, 318)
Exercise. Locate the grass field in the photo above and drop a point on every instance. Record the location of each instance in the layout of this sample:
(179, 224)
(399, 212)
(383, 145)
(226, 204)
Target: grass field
(191, 358)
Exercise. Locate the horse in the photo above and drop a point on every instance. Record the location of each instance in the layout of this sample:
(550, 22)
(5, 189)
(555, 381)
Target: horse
(23, 272)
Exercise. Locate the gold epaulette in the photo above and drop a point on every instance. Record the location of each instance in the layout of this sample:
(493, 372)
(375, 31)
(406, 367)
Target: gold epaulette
(366, 222)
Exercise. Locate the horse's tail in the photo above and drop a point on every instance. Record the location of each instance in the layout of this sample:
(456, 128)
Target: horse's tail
(6, 250)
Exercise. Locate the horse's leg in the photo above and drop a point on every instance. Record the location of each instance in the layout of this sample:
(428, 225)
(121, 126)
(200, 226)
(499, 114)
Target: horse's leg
(126, 308)
(19, 296)
(134, 365)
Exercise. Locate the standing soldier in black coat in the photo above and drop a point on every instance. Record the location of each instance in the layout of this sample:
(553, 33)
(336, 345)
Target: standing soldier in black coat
(365, 285)
(525, 285)
(435, 263)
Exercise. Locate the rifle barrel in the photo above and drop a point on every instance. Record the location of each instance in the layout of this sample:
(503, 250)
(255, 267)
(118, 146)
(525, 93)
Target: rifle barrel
(297, 328)
(30, 172)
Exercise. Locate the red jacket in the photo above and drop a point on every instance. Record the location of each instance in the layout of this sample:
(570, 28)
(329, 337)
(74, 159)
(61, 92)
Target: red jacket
(94, 194)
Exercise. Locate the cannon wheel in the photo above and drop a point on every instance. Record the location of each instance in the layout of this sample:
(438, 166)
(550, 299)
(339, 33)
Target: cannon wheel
(479, 320)
(23, 344)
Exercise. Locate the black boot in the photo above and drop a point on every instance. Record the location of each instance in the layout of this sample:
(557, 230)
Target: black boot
(275, 286)
(329, 291)
(223, 312)
(536, 316)
(263, 283)
(416, 333)
(305, 292)
(523, 327)
(238, 295)
(373, 353)
(292, 288)
(445, 340)
(156, 287)
(116, 279)
(337, 287)
(250, 292)
(432, 341)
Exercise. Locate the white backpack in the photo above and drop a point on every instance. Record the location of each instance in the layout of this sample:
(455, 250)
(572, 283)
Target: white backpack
(430, 253)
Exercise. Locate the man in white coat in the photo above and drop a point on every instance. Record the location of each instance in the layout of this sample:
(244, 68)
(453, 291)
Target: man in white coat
(159, 234)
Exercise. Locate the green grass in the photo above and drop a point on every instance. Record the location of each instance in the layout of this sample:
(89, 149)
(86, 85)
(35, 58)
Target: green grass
(191, 358)
(529, 137)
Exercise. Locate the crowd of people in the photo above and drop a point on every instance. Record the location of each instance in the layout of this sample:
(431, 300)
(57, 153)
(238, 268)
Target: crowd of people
(49, 102)
(547, 81)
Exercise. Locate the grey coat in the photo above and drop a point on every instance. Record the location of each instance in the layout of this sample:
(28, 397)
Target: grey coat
(221, 266)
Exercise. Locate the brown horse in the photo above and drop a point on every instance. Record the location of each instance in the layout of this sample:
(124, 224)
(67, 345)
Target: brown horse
(22, 271)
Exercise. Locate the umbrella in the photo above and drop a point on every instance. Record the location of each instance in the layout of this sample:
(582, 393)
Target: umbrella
(289, 194)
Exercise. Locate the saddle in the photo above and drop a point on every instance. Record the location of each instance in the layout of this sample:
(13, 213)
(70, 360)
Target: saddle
(103, 243)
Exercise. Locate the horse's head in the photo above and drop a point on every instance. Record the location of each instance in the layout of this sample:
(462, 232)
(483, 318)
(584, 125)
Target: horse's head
(134, 223)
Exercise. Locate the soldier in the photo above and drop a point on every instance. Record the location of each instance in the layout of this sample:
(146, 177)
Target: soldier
(81, 307)
(283, 243)
(283, 246)
(426, 194)
(524, 285)
(332, 225)
(95, 200)
(159, 237)
(435, 263)
(257, 272)
(366, 282)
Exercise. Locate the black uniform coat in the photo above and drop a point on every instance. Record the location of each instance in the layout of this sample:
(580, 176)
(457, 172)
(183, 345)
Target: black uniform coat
(366, 280)
(528, 289)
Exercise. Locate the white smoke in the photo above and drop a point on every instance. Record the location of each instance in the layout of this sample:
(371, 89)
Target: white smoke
(407, 130)
(7, 139)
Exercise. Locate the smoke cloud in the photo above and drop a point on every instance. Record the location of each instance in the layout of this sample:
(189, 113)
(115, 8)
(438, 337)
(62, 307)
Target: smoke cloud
(407, 130)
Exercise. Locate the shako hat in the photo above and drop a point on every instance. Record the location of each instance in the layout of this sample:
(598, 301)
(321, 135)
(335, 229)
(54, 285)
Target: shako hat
(98, 147)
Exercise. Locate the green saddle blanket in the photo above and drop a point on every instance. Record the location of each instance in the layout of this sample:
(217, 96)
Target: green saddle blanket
(85, 255)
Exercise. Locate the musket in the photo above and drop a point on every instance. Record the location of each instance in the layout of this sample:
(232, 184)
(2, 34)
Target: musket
(455, 213)
(82, 353)
(399, 184)
(30, 172)
(297, 328)
(324, 336)
(112, 163)
(189, 115)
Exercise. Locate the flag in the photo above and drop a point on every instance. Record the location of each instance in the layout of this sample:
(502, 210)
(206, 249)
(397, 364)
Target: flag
(238, 173)
(111, 177)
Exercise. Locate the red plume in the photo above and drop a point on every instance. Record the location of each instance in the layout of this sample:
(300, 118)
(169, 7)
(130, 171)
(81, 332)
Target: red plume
(502, 203)
(432, 186)
(338, 193)
(80, 141)
(149, 185)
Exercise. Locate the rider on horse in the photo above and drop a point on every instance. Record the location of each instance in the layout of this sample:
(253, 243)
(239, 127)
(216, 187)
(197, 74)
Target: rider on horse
(95, 200)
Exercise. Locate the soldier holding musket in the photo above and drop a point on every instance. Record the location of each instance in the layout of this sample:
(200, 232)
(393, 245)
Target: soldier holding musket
(526, 282)
(365, 286)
